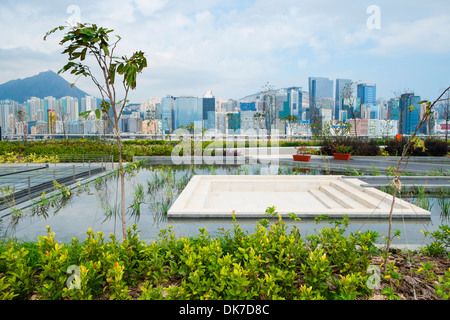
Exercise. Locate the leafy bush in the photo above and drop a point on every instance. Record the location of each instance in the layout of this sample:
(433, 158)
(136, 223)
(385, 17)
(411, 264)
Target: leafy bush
(360, 147)
(441, 241)
(270, 263)
(433, 147)
(42, 151)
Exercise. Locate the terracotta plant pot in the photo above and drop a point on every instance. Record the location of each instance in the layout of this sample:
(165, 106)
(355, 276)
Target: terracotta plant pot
(341, 156)
(301, 157)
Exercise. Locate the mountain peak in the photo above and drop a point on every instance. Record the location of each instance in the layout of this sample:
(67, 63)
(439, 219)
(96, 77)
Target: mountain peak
(44, 84)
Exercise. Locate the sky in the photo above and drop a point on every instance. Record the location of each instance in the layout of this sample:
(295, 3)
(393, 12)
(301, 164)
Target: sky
(234, 47)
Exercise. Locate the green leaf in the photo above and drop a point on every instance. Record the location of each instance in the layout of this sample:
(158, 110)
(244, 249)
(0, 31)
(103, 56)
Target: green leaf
(105, 106)
(97, 113)
(105, 49)
(418, 143)
(85, 114)
(83, 54)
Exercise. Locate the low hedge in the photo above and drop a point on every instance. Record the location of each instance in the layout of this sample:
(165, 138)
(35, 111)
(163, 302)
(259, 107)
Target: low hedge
(433, 147)
(271, 263)
(360, 146)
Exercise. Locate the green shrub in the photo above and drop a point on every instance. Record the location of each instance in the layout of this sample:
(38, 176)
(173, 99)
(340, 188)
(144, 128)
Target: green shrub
(433, 147)
(360, 147)
(441, 241)
(274, 262)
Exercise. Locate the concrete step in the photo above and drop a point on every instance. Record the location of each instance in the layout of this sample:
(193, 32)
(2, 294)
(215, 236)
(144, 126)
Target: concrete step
(342, 198)
(382, 197)
(324, 199)
(356, 194)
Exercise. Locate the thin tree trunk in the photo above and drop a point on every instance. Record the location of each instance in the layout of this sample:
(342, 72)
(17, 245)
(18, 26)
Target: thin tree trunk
(122, 183)
(446, 129)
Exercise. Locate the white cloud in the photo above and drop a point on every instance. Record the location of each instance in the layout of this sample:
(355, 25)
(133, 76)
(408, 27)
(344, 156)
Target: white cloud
(302, 63)
(234, 44)
(429, 34)
(148, 8)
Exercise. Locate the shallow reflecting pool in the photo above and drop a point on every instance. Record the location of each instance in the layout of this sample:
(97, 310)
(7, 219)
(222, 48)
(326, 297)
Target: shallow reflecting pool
(151, 189)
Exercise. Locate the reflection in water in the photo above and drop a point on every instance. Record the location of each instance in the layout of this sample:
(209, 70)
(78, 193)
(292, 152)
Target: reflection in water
(150, 192)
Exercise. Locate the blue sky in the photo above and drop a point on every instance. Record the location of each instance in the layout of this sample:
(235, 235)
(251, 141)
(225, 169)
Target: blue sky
(234, 47)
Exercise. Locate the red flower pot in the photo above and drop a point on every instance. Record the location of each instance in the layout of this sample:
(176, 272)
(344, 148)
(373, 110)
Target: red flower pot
(301, 157)
(341, 156)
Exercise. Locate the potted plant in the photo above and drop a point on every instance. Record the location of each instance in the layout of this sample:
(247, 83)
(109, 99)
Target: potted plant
(303, 154)
(341, 152)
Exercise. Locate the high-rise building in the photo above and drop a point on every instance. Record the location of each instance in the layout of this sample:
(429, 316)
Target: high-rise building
(8, 109)
(319, 88)
(33, 108)
(68, 109)
(320, 96)
(209, 111)
(187, 110)
(338, 103)
(88, 103)
(247, 106)
(294, 100)
(367, 95)
(167, 110)
(50, 104)
(411, 113)
(393, 109)
(182, 111)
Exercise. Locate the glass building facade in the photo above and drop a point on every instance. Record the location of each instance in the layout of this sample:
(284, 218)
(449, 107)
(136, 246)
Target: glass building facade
(367, 95)
(294, 100)
(187, 110)
(410, 109)
(167, 109)
(338, 102)
(182, 111)
(320, 95)
(209, 113)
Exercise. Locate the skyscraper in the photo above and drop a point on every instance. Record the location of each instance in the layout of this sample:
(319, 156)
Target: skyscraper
(294, 100)
(338, 103)
(367, 95)
(167, 109)
(411, 112)
(187, 110)
(393, 109)
(68, 109)
(209, 111)
(320, 96)
(50, 104)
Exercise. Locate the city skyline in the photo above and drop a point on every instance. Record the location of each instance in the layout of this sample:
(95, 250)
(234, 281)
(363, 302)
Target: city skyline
(235, 47)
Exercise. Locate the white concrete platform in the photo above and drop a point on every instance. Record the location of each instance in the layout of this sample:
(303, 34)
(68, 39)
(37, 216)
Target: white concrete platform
(216, 196)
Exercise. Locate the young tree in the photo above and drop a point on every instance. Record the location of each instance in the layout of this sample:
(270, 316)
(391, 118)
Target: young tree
(259, 121)
(349, 100)
(269, 96)
(402, 97)
(291, 120)
(413, 143)
(21, 117)
(151, 116)
(445, 114)
(89, 40)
